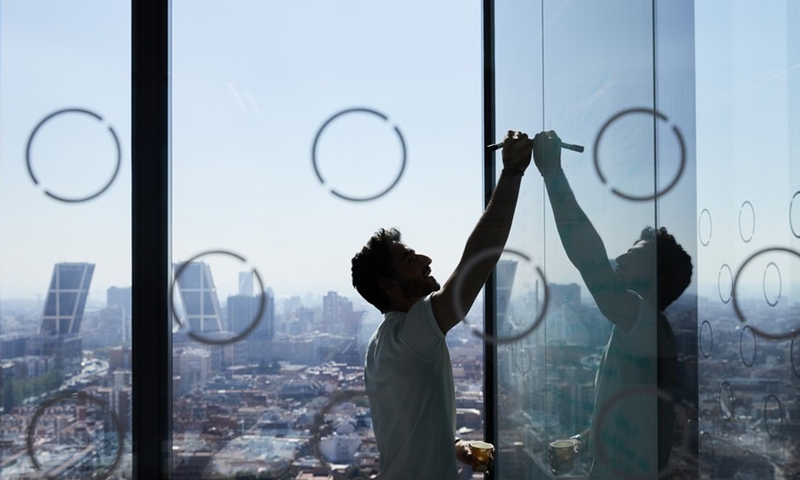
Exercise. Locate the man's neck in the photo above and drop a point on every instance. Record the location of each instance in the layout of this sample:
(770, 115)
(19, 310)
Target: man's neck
(403, 305)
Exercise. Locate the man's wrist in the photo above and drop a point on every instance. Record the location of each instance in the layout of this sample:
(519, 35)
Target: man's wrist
(552, 171)
(513, 171)
(580, 438)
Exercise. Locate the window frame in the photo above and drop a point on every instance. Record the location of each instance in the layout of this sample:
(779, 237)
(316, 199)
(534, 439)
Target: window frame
(151, 336)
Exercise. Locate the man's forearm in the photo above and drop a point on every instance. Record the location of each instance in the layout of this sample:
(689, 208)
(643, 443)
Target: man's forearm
(580, 239)
(484, 245)
(494, 226)
(586, 251)
(490, 234)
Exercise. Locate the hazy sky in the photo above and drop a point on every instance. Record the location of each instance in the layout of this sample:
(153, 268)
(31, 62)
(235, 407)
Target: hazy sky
(253, 83)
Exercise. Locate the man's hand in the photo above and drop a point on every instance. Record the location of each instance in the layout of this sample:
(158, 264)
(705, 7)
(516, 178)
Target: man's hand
(464, 455)
(517, 149)
(463, 452)
(547, 152)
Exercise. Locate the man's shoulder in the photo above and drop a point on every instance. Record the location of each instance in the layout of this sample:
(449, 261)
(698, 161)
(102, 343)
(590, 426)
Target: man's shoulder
(422, 306)
(391, 320)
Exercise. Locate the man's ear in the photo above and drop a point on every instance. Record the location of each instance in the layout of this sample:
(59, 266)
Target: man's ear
(387, 284)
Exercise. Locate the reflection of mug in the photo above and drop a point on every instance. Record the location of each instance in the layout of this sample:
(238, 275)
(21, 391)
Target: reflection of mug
(564, 453)
(481, 455)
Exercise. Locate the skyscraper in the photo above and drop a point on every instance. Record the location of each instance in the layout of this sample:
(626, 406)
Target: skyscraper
(66, 298)
(246, 283)
(201, 310)
(119, 297)
(505, 273)
(338, 316)
(242, 311)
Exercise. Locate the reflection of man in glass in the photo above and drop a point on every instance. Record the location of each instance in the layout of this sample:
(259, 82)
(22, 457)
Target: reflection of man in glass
(635, 438)
(407, 367)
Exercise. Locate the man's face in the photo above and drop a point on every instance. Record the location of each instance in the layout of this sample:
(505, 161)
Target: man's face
(637, 267)
(412, 272)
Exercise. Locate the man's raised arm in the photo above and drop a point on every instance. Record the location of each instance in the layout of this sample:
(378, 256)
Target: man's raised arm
(582, 243)
(487, 239)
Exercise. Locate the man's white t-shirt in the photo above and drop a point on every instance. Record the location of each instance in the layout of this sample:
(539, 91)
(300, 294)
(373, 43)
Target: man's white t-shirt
(626, 401)
(409, 379)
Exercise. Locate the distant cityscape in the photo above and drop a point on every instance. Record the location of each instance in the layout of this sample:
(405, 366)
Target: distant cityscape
(250, 408)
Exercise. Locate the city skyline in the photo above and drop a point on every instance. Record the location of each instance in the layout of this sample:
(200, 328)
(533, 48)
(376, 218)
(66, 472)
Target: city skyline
(297, 132)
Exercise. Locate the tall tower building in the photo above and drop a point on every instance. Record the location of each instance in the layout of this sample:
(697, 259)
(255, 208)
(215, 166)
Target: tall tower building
(119, 297)
(338, 316)
(505, 272)
(201, 310)
(242, 311)
(66, 298)
(330, 309)
(246, 283)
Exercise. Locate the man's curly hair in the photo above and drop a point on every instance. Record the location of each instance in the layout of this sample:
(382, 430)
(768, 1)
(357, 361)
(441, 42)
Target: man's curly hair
(673, 265)
(372, 263)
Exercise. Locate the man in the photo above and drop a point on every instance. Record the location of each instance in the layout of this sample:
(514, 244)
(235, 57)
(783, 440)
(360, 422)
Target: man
(407, 372)
(636, 381)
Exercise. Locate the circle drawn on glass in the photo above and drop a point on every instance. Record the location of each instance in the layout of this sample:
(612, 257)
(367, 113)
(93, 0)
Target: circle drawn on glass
(791, 356)
(680, 414)
(719, 283)
(319, 134)
(737, 309)
(319, 419)
(741, 346)
(795, 231)
(710, 342)
(767, 422)
(658, 115)
(753, 215)
(30, 432)
(55, 196)
(780, 284)
(214, 341)
(727, 405)
(700, 227)
(463, 315)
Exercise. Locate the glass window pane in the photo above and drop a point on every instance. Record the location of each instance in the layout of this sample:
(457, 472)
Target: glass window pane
(586, 64)
(64, 209)
(747, 205)
(665, 98)
(298, 134)
(67, 302)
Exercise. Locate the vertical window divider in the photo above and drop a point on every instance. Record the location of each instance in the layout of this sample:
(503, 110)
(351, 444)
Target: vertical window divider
(489, 175)
(654, 33)
(151, 350)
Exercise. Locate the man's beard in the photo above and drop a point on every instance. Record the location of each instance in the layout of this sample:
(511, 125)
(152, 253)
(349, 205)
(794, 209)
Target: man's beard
(417, 288)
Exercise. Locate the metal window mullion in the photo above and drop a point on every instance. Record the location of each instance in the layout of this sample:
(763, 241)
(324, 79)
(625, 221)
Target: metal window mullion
(151, 339)
(489, 175)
